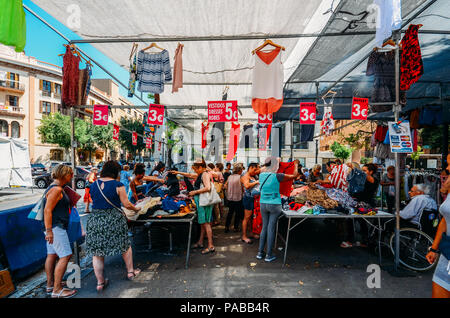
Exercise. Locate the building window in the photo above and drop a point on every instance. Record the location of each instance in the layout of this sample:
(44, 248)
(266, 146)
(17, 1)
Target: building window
(296, 138)
(4, 128)
(46, 107)
(13, 80)
(57, 90)
(46, 86)
(15, 129)
(12, 100)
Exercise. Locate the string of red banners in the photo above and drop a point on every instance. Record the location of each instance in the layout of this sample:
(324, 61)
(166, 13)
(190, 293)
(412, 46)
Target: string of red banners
(155, 117)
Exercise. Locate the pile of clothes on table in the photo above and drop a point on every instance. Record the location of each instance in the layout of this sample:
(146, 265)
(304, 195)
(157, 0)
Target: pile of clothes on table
(316, 199)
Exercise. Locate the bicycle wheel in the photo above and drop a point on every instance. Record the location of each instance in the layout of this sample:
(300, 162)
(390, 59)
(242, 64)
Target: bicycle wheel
(413, 249)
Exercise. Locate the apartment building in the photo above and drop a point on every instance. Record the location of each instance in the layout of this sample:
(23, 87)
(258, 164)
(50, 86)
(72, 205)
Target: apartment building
(31, 89)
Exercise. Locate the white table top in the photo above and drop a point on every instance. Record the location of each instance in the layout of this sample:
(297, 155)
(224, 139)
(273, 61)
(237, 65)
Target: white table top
(334, 214)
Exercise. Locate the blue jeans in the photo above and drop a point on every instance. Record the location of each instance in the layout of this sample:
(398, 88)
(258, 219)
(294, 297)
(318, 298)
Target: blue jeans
(269, 214)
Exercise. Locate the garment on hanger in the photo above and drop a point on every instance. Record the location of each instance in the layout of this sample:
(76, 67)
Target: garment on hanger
(133, 76)
(153, 70)
(71, 73)
(389, 19)
(286, 186)
(247, 140)
(205, 127)
(234, 141)
(83, 78)
(178, 69)
(382, 151)
(13, 24)
(88, 86)
(267, 86)
(414, 137)
(306, 133)
(380, 133)
(338, 176)
(327, 124)
(414, 119)
(263, 135)
(411, 65)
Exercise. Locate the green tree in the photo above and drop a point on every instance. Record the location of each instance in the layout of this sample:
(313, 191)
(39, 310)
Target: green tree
(125, 136)
(340, 151)
(171, 141)
(103, 137)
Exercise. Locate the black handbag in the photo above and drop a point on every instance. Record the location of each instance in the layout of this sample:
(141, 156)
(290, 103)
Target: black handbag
(444, 246)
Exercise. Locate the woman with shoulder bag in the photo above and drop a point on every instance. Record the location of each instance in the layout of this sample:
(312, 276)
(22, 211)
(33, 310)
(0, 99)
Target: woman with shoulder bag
(56, 220)
(216, 172)
(202, 186)
(90, 179)
(441, 277)
(107, 228)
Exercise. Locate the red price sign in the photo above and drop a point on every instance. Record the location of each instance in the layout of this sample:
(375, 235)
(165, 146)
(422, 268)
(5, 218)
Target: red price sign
(148, 143)
(100, 117)
(360, 108)
(159, 145)
(265, 119)
(134, 137)
(116, 132)
(307, 113)
(155, 114)
(222, 111)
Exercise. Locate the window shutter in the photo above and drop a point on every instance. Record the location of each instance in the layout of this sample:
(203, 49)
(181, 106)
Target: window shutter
(40, 106)
(41, 84)
(52, 87)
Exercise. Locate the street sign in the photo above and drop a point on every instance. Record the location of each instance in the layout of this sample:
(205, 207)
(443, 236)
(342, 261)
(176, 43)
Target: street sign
(307, 113)
(360, 108)
(134, 137)
(155, 115)
(265, 119)
(100, 117)
(222, 111)
(116, 132)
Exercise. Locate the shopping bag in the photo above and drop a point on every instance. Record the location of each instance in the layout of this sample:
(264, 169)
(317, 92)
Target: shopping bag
(257, 218)
(37, 212)
(74, 230)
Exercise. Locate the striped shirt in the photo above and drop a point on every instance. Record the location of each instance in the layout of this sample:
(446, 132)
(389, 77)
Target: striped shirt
(153, 70)
(338, 176)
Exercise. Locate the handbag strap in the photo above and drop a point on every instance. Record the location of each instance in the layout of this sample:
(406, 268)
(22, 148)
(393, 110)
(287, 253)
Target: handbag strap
(260, 188)
(106, 199)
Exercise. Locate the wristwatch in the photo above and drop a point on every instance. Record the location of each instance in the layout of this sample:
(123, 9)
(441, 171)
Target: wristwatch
(430, 249)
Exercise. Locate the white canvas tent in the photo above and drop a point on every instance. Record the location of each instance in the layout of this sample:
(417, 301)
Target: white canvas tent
(15, 168)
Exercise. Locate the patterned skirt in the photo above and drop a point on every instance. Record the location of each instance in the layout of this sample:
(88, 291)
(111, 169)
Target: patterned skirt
(106, 233)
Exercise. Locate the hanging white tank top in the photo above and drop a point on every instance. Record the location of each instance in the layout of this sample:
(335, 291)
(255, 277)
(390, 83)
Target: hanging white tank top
(267, 88)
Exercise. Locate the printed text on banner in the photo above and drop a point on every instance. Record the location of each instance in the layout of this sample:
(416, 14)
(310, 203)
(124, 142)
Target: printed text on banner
(222, 111)
(155, 115)
(307, 113)
(100, 117)
(360, 108)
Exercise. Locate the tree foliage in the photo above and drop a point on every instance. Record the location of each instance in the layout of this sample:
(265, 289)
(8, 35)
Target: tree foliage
(125, 136)
(340, 151)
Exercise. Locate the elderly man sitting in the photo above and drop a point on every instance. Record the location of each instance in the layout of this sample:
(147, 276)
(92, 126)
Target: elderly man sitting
(420, 200)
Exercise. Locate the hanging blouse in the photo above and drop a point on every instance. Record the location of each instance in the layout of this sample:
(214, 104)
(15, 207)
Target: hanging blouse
(178, 69)
(327, 124)
(411, 65)
(153, 70)
(71, 69)
(205, 127)
(235, 131)
(267, 88)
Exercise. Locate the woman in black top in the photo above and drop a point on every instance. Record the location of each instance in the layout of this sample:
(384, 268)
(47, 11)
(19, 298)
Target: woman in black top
(56, 220)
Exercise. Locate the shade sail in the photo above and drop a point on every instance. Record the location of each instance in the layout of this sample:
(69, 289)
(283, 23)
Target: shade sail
(209, 66)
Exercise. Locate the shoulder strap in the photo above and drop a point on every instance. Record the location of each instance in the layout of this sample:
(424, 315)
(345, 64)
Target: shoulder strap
(260, 188)
(106, 199)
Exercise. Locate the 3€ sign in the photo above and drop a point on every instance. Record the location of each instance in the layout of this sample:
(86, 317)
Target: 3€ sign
(307, 113)
(134, 137)
(265, 119)
(116, 132)
(155, 115)
(100, 117)
(360, 108)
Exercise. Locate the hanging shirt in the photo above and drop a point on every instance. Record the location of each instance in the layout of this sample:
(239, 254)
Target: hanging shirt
(338, 176)
(71, 73)
(411, 65)
(13, 31)
(267, 88)
(178, 69)
(234, 140)
(327, 124)
(389, 18)
(306, 133)
(153, 70)
(205, 127)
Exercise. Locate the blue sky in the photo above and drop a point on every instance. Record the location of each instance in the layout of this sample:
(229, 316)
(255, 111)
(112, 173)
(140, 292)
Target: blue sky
(45, 45)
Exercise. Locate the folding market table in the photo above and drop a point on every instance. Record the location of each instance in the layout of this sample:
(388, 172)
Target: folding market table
(331, 214)
(188, 218)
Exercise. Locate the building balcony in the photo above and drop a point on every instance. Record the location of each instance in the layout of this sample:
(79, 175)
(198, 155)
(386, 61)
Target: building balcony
(12, 87)
(11, 111)
(46, 93)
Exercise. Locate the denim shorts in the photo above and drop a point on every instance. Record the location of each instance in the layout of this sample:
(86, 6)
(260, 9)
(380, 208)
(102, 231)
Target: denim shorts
(248, 203)
(61, 245)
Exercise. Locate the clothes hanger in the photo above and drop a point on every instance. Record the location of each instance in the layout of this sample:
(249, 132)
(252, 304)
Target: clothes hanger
(268, 42)
(133, 50)
(73, 48)
(152, 45)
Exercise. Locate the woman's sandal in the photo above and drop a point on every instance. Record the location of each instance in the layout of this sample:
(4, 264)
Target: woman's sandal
(346, 245)
(49, 290)
(135, 273)
(60, 294)
(249, 241)
(208, 250)
(101, 287)
(196, 245)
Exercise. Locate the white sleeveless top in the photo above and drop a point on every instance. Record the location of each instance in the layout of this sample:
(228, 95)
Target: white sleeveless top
(268, 78)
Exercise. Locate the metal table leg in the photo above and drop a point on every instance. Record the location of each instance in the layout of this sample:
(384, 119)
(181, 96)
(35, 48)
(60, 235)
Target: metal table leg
(189, 245)
(287, 241)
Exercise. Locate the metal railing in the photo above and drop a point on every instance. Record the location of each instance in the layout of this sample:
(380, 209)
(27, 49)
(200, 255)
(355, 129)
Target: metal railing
(12, 109)
(12, 84)
(46, 93)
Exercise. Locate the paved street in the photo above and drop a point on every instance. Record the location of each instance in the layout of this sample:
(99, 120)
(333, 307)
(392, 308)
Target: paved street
(316, 267)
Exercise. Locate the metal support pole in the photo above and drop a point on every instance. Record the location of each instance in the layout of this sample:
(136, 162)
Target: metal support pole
(396, 37)
(73, 150)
